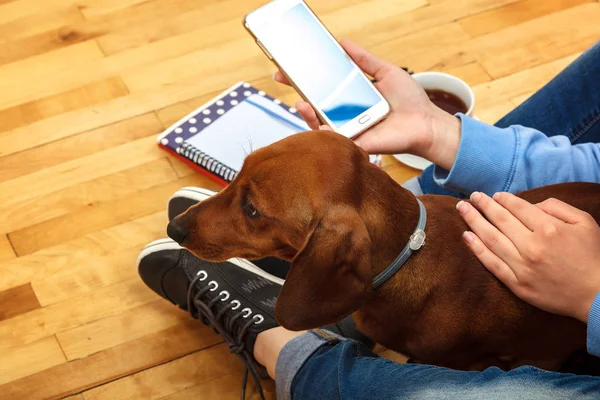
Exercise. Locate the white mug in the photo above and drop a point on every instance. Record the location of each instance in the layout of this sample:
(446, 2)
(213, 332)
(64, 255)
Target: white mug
(447, 83)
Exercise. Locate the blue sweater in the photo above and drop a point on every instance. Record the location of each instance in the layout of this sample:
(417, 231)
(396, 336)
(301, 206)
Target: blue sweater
(514, 159)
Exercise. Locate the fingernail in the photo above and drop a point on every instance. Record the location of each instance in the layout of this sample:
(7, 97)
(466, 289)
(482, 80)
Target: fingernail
(468, 237)
(462, 207)
(496, 196)
(475, 196)
(274, 76)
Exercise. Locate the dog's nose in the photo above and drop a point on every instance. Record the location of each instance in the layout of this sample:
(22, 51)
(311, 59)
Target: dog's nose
(176, 232)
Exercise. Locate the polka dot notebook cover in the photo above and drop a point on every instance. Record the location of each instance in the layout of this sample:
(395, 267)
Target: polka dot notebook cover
(216, 137)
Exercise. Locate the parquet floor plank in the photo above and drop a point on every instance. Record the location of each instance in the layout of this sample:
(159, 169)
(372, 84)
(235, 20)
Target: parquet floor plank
(105, 366)
(17, 300)
(6, 250)
(59, 259)
(29, 359)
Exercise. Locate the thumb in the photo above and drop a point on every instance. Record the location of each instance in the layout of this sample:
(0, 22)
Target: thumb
(372, 65)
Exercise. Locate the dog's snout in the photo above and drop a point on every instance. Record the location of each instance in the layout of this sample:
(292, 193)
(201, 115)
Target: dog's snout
(177, 231)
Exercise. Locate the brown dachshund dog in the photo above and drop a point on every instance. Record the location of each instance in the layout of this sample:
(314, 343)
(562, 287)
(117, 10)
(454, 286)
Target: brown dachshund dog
(315, 199)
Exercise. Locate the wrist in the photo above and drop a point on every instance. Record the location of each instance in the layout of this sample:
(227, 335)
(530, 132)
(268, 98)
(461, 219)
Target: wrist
(444, 139)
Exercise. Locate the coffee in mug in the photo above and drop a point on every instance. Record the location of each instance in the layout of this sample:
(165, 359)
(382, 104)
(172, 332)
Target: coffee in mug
(447, 101)
(448, 92)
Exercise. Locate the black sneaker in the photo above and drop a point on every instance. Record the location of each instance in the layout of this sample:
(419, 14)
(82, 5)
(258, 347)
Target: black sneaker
(184, 198)
(188, 196)
(235, 297)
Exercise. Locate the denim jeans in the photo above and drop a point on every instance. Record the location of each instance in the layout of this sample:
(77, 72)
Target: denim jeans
(318, 365)
(569, 105)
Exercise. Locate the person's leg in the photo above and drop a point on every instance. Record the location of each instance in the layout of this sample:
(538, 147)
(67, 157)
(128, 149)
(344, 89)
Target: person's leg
(568, 105)
(269, 344)
(315, 365)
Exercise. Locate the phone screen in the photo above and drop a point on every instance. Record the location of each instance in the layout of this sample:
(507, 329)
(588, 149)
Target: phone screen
(300, 45)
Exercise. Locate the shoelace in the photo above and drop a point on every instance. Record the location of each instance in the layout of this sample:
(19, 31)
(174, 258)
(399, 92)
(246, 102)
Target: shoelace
(203, 310)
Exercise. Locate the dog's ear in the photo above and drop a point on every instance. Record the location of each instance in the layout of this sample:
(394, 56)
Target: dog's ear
(330, 276)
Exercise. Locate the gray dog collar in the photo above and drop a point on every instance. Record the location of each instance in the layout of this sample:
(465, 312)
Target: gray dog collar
(416, 241)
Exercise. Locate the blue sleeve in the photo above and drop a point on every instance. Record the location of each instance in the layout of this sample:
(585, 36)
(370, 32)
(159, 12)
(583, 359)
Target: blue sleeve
(514, 159)
(593, 332)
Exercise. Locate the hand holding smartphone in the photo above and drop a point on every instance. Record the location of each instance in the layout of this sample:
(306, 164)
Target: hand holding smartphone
(316, 65)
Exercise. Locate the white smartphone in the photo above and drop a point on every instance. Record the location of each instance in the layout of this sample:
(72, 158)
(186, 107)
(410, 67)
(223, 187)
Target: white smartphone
(317, 66)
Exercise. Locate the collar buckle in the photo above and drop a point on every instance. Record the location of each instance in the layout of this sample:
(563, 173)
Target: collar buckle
(417, 240)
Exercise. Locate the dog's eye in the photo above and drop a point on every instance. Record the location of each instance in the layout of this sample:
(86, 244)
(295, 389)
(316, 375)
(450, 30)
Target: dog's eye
(251, 210)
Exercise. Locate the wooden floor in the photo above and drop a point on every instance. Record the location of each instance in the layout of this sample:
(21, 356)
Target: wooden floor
(85, 87)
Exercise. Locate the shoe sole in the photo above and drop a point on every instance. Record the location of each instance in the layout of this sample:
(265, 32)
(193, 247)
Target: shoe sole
(156, 246)
(194, 193)
(190, 193)
(168, 244)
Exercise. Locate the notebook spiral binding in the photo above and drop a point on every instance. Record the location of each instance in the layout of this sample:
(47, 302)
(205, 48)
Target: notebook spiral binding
(207, 162)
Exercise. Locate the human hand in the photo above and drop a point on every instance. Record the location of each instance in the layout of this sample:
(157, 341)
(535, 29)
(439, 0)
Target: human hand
(415, 125)
(548, 254)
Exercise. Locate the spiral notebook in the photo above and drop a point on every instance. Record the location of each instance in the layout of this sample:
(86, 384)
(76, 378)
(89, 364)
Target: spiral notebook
(217, 137)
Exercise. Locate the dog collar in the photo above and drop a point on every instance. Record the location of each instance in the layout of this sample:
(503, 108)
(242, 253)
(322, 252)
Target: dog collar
(416, 241)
